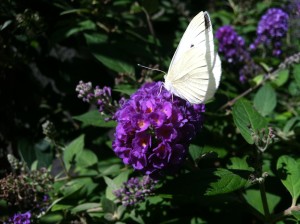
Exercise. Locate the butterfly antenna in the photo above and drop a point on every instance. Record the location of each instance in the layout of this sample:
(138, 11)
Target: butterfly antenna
(154, 69)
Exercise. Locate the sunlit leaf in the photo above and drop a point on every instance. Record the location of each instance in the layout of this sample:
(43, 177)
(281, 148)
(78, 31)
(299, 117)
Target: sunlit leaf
(253, 197)
(72, 151)
(289, 173)
(228, 181)
(85, 207)
(247, 119)
(281, 78)
(265, 100)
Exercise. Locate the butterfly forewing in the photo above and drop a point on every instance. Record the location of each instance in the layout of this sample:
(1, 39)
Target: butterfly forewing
(195, 70)
(193, 36)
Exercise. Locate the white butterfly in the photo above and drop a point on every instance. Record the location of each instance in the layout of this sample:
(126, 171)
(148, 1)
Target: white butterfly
(195, 70)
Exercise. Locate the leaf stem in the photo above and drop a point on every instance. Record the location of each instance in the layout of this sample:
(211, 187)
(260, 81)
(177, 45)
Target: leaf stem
(263, 195)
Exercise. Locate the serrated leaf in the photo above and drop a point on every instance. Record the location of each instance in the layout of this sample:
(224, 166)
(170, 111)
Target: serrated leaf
(228, 181)
(253, 197)
(247, 119)
(289, 173)
(239, 164)
(94, 118)
(72, 151)
(265, 100)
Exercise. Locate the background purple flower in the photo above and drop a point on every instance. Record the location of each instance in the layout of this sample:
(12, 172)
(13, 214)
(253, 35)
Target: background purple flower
(272, 27)
(231, 45)
(135, 190)
(154, 131)
(21, 218)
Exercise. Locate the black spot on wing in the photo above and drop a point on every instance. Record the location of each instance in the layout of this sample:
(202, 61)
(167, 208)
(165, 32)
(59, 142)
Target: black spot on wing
(192, 45)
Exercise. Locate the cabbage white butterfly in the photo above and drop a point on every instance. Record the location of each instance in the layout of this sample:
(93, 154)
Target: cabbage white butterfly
(195, 70)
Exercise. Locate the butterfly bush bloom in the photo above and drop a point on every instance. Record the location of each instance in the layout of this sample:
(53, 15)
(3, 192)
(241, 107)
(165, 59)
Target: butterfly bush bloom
(231, 45)
(272, 27)
(135, 190)
(21, 218)
(101, 97)
(155, 129)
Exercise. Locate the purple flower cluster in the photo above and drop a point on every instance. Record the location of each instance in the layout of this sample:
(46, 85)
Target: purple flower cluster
(21, 218)
(135, 190)
(155, 129)
(101, 97)
(231, 45)
(272, 27)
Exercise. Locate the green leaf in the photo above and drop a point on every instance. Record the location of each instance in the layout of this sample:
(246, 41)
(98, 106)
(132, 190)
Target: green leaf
(72, 151)
(126, 89)
(26, 152)
(290, 124)
(115, 184)
(51, 218)
(296, 214)
(59, 207)
(72, 189)
(85, 207)
(81, 26)
(296, 73)
(43, 153)
(197, 152)
(247, 119)
(258, 79)
(281, 78)
(94, 118)
(108, 205)
(108, 56)
(239, 164)
(86, 158)
(289, 173)
(228, 181)
(294, 89)
(253, 198)
(265, 100)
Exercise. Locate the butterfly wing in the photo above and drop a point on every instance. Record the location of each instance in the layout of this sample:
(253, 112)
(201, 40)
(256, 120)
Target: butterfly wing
(191, 37)
(195, 70)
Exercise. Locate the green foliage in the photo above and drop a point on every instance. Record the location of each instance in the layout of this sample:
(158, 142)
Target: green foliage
(247, 119)
(241, 167)
(289, 173)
